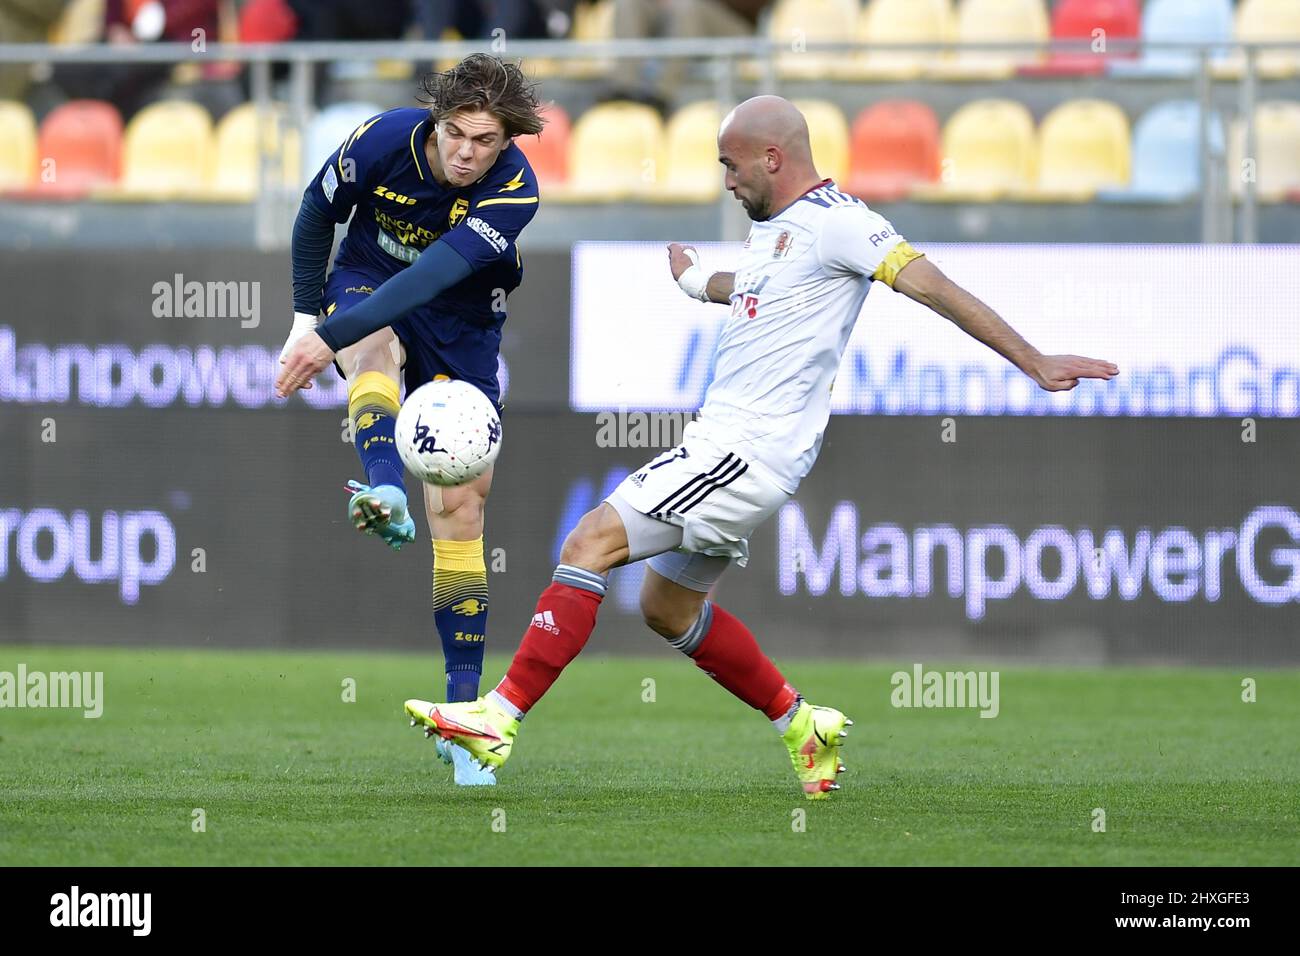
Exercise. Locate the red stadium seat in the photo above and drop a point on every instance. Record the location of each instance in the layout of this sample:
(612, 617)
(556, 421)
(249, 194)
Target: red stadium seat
(548, 153)
(84, 140)
(1078, 20)
(267, 21)
(894, 145)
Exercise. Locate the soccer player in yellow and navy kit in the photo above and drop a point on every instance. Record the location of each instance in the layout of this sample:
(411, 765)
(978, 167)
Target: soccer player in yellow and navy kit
(437, 199)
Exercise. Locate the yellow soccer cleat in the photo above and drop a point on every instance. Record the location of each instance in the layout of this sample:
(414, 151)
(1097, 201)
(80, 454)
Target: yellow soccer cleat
(814, 740)
(483, 730)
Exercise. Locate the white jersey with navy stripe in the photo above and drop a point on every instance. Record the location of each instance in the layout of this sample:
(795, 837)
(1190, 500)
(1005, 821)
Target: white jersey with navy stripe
(799, 286)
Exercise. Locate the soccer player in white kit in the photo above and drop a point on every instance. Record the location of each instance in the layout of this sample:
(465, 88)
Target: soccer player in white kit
(803, 276)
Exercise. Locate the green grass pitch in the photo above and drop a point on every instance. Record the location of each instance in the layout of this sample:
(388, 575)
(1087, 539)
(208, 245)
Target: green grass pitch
(287, 772)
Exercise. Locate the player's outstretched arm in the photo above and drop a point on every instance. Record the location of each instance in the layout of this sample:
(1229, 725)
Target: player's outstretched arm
(313, 238)
(684, 261)
(437, 268)
(922, 281)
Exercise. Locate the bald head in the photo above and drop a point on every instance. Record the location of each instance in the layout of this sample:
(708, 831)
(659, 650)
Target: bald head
(764, 145)
(764, 121)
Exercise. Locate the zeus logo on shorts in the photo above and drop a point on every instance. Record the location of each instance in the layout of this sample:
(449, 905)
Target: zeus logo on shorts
(490, 235)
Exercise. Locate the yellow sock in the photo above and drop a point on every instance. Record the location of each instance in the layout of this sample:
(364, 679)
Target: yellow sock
(460, 606)
(372, 406)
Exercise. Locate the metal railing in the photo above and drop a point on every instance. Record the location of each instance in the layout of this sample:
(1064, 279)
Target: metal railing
(724, 56)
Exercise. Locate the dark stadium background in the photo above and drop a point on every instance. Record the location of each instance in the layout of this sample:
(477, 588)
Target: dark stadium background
(256, 484)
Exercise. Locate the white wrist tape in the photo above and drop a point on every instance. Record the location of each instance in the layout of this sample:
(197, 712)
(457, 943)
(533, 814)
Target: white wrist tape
(695, 281)
(302, 324)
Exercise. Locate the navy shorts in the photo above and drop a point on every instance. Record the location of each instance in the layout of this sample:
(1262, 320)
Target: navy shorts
(437, 345)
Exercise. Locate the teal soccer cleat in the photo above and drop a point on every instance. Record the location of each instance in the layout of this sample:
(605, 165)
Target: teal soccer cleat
(381, 510)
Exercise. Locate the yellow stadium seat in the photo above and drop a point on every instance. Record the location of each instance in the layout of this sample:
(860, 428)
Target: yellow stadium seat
(694, 173)
(883, 22)
(829, 133)
(616, 152)
(1083, 146)
(797, 23)
(1276, 163)
(241, 141)
(17, 145)
(1262, 20)
(82, 21)
(592, 23)
(988, 21)
(988, 151)
(168, 150)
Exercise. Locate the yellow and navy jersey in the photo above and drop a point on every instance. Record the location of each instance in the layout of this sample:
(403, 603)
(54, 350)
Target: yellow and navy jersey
(380, 177)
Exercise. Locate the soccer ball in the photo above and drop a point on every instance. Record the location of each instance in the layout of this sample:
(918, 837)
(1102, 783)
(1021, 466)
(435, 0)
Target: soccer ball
(448, 433)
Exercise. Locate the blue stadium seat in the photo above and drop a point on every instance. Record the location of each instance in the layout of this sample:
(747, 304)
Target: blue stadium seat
(1181, 21)
(1166, 160)
(329, 129)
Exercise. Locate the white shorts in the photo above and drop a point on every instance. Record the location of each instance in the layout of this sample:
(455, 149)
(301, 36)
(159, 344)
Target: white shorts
(711, 497)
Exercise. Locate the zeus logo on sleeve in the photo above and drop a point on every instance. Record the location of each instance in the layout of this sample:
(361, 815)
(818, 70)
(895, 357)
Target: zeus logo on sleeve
(490, 235)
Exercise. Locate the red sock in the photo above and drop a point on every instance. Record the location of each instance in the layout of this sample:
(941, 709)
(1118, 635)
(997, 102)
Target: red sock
(730, 655)
(564, 620)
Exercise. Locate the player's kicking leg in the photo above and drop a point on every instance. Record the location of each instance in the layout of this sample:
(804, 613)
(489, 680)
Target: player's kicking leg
(674, 604)
(460, 601)
(372, 367)
(564, 619)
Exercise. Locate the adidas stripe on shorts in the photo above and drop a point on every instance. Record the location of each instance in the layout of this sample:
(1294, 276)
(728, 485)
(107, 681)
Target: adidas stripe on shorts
(710, 499)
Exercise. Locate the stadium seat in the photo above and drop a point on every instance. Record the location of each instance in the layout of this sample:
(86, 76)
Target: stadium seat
(1263, 20)
(1182, 21)
(694, 173)
(1079, 20)
(548, 153)
(168, 151)
(83, 138)
(988, 151)
(1166, 154)
(241, 142)
(829, 134)
(266, 21)
(328, 129)
(82, 21)
(1276, 165)
(795, 23)
(883, 22)
(1083, 146)
(895, 145)
(17, 145)
(616, 152)
(987, 21)
(592, 23)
